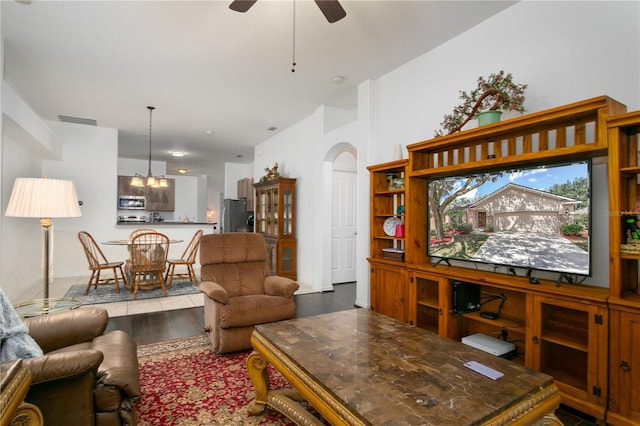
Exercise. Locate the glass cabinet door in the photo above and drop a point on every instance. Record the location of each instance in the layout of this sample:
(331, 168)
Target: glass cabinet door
(274, 195)
(287, 213)
(268, 213)
(262, 213)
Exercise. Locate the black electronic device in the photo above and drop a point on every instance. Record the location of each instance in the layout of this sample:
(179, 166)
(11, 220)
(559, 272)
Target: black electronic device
(489, 315)
(465, 297)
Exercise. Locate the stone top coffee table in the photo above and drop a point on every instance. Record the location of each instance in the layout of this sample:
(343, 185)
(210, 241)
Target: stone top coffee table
(358, 367)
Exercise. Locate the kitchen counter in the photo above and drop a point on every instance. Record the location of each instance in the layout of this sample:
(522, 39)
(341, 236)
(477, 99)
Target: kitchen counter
(165, 222)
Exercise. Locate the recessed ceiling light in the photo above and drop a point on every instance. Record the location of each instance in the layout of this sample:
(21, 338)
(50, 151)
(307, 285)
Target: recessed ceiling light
(271, 129)
(239, 156)
(177, 153)
(209, 132)
(182, 171)
(337, 79)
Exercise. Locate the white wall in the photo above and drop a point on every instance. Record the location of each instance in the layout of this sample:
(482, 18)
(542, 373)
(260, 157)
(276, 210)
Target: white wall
(214, 188)
(90, 161)
(25, 141)
(186, 193)
(564, 51)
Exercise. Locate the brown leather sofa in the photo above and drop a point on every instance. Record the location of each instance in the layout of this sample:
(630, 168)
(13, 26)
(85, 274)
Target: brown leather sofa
(239, 292)
(85, 377)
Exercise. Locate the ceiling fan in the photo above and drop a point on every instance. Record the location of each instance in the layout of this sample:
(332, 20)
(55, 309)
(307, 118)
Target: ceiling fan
(331, 9)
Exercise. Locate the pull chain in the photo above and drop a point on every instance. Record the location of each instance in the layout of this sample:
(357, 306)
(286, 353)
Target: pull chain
(293, 62)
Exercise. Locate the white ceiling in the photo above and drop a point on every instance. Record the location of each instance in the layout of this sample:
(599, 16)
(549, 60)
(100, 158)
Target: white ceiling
(206, 67)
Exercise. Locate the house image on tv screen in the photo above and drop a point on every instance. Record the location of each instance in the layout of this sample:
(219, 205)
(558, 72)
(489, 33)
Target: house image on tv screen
(521, 209)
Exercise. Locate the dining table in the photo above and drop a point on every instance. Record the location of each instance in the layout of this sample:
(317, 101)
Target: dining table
(147, 284)
(128, 242)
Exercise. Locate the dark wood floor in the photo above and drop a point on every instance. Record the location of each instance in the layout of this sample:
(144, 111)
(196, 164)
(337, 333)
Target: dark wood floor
(166, 325)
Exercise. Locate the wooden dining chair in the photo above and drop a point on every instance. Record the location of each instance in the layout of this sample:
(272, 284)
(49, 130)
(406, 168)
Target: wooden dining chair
(140, 231)
(98, 262)
(187, 259)
(148, 260)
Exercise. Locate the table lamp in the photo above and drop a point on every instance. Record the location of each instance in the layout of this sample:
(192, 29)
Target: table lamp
(45, 199)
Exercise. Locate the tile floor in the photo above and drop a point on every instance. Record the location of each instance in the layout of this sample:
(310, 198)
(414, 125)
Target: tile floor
(60, 286)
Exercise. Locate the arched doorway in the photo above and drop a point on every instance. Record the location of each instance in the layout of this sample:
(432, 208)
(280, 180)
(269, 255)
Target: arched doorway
(340, 215)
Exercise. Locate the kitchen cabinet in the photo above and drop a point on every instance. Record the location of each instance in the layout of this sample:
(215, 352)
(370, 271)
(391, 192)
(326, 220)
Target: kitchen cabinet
(245, 190)
(158, 199)
(162, 199)
(125, 188)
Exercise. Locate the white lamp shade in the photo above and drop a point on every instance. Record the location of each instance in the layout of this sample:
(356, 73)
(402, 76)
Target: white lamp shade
(43, 198)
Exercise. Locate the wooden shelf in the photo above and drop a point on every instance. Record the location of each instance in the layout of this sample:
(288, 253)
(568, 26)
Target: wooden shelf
(390, 193)
(563, 377)
(564, 340)
(433, 304)
(629, 256)
(500, 322)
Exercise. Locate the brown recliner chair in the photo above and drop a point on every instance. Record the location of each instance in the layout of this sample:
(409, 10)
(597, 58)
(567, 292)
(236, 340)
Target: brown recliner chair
(85, 377)
(239, 292)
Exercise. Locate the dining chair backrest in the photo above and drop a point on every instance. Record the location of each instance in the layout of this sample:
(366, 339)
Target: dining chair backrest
(94, 255)
(189, 254)
(149, 252)
(140, 231)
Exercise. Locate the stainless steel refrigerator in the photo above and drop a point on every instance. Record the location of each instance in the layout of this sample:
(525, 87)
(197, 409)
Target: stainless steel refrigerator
(234, 215)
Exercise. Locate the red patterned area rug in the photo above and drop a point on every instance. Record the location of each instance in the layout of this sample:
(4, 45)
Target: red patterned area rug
(184, 383)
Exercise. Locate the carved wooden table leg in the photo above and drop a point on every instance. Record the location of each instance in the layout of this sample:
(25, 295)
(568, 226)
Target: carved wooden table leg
(257, 369)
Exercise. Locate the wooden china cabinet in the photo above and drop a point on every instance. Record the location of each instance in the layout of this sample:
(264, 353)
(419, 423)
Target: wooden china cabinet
(274, 218)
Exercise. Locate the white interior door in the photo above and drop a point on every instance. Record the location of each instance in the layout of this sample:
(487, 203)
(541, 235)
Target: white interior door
(343, 227)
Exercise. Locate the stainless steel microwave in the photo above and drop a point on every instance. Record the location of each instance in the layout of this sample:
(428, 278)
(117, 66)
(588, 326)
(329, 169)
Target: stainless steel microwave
(132, 202)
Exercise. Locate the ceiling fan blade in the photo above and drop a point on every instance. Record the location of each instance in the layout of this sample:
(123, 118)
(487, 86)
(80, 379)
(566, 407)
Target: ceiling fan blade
(241, 5)
(331, 10)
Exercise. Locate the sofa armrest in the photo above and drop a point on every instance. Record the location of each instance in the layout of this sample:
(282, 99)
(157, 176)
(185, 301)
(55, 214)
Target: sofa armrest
(120, 367)
(280, 286)
(214, 291)
(60, 329)
(63, 365)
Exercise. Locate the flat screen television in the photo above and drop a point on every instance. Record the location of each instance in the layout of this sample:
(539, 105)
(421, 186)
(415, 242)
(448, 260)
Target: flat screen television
(535, 218)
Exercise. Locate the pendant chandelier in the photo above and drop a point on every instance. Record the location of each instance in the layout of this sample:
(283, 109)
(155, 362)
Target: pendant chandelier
(150, 181)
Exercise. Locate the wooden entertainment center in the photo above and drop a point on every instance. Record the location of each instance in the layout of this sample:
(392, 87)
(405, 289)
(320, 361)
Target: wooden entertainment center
(586, 337)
